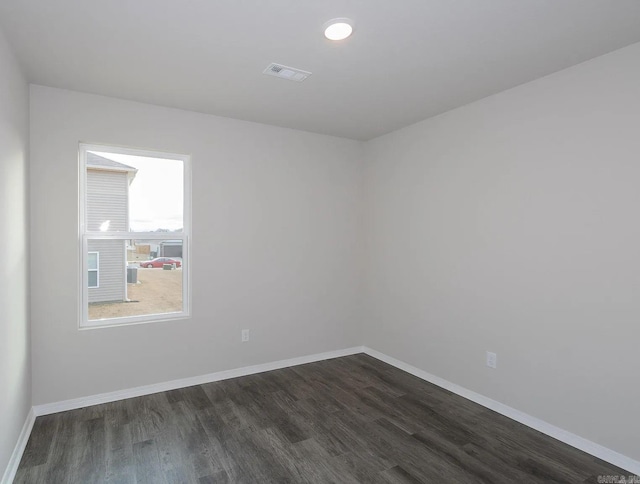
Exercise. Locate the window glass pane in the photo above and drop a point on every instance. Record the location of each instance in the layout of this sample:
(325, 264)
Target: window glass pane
(93, 278)
(133, 282)
(134, 193)
(92, 260)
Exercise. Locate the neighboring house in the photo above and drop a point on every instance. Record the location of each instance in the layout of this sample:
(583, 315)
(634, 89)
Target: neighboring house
(153, 246)
(138, 252)
(107, 203)
(170, 248)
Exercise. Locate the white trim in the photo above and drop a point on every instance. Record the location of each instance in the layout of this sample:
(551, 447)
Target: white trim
(546, 428)
(136, 236)
(111, 169)
(49, 408)
(84, 235)
(96, 270)
(133, 320)
(21, 445)
(133, 150)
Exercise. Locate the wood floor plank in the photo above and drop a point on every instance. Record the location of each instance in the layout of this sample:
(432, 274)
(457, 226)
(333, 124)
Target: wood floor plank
(60, 460)
(398, 475)
(147, 463)
(88, 451)
(40, 440)
(345, 420)
(31, 474)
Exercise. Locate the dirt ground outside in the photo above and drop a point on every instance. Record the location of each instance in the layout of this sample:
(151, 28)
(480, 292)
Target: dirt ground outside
(157, 291)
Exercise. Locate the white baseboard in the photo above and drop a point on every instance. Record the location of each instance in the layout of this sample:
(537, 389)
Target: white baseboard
(55, 407)
(557, 433)
(568, 438)
(16, 456)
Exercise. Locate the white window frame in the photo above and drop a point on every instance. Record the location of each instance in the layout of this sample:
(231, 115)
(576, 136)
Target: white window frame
(86, 235)
(96, 270)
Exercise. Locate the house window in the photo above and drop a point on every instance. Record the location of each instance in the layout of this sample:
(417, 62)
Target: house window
(93, 265)
(134, 244)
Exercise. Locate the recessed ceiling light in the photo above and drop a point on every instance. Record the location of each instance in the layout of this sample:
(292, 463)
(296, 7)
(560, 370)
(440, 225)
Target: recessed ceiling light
(338, 28)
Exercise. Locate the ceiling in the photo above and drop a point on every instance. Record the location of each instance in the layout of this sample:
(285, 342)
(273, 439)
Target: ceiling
(407, 59)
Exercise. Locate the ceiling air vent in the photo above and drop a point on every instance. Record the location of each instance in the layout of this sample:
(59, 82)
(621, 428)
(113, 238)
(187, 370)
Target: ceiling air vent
(284, 72)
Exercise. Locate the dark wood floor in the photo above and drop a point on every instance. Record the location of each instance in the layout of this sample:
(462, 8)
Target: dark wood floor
(351, 419)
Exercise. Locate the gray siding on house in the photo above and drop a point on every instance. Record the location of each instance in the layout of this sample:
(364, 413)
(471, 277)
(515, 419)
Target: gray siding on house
(111, 270)
(107, 199)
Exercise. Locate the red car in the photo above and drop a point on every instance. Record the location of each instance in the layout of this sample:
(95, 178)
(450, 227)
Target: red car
(160, 261)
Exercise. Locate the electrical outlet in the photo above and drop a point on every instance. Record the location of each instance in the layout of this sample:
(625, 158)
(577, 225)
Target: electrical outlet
(245, 335)
(492, 359)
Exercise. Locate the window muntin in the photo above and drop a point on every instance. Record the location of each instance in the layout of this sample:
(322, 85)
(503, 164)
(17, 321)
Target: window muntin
(133, 205)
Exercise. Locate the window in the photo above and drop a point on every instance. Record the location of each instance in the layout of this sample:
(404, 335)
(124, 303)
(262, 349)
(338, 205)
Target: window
(134, 235)
(93, 264)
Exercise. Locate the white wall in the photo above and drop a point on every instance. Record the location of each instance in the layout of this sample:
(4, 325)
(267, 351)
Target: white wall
(15, 364)
(513, 225)
(276, 227)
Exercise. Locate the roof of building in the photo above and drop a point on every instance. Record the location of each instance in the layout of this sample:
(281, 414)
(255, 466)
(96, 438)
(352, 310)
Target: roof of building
(97, 161)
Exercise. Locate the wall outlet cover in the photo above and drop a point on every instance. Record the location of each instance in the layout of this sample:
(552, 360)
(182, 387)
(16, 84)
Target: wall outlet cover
(492, 360)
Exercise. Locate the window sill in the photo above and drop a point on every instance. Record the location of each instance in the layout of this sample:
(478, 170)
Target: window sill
(131, 321)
